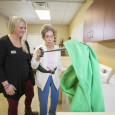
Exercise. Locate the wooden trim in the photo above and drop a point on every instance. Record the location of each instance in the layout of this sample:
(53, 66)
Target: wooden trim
(104, 41)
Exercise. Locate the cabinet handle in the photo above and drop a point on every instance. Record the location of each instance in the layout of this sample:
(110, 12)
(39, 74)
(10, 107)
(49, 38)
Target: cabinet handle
(89, 35)
(92, 33)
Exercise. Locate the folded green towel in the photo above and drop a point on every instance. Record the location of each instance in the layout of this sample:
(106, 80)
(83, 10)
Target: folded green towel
(81, 81)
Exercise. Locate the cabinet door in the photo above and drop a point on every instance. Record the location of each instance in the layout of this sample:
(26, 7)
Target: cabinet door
(97, 24)
(87, 26)
(109, 30)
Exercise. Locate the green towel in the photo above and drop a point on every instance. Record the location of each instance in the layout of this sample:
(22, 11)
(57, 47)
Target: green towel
(81, 81)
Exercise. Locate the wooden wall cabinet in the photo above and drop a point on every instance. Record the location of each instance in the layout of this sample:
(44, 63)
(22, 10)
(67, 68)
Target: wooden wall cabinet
(87, 35)
(109, 26)
(99, 22)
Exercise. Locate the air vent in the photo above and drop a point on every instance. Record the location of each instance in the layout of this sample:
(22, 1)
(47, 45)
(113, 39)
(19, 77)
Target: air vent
(40, 5)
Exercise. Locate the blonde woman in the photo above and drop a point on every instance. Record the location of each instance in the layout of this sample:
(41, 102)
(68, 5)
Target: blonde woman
(16, 77)
(48, 75)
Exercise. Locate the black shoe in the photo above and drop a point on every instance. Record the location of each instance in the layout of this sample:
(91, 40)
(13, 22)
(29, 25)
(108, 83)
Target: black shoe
(29, 112)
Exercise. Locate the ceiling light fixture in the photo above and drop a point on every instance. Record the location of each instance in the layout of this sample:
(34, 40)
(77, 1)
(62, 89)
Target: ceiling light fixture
(42, 10)
(43, 14)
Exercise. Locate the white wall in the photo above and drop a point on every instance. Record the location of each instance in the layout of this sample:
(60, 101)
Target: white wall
(78, 33)
(34, 40)
(3, 25)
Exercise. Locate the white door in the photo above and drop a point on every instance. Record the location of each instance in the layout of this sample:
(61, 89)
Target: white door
(34, 40)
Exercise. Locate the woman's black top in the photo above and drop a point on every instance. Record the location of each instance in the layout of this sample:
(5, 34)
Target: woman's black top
(15, 67)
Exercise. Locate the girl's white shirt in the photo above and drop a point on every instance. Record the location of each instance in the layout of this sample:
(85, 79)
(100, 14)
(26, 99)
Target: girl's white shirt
(41, 78)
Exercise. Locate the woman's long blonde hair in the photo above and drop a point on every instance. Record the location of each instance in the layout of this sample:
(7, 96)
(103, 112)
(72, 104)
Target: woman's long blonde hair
(14, 20)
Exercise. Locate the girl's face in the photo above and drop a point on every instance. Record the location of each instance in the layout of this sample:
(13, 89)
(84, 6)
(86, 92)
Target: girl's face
(20, 29)
(49, 38)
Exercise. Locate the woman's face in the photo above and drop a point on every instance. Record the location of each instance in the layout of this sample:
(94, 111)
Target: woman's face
(49, 38)
(20, 29)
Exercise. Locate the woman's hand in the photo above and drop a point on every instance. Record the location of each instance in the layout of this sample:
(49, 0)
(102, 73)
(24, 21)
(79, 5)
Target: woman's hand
(63, 72)
(10, 90)
(38, 54)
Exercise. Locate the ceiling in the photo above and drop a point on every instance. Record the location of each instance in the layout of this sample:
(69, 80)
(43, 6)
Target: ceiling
(61, 11)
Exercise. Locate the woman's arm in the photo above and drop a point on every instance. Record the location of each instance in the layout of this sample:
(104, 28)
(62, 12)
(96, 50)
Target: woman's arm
(3, 51)
(10, 89)
(36, 58)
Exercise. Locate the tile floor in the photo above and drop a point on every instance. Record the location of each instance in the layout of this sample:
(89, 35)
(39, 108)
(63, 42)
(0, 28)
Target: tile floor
(66, 61)
(35, 104)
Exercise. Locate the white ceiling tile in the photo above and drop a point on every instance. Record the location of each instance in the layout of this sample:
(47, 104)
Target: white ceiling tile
(15, 5)
(61, 12)
(57, 6)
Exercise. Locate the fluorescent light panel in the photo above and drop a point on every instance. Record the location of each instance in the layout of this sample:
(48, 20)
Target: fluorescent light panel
(43, 14)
